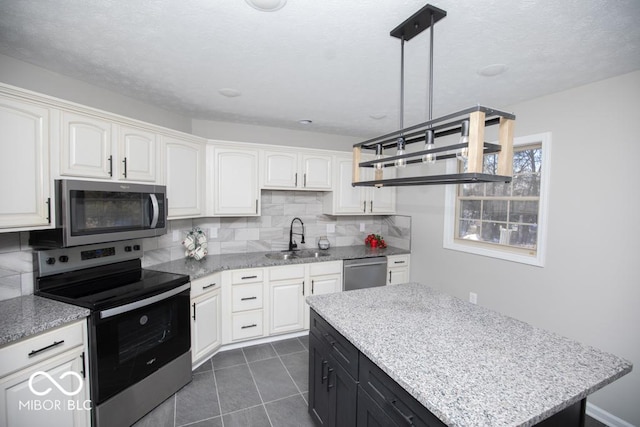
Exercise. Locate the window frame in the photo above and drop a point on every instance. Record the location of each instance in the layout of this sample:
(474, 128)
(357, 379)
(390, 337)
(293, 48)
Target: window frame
(495, 251)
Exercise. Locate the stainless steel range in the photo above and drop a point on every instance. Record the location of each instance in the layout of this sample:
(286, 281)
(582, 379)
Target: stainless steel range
(139, 327)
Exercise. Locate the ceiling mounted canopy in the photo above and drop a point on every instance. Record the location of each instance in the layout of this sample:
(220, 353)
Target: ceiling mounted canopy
(469, 124)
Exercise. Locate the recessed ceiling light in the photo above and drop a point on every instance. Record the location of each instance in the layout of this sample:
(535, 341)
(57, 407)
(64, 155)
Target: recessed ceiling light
(229, 92)
(378, 116)
(267, 5)
(492, 70)
(305, 121)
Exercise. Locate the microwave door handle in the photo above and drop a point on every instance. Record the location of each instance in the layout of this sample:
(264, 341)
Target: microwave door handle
(156, 211)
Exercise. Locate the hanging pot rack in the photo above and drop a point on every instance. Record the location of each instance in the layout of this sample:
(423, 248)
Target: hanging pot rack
(477, 117)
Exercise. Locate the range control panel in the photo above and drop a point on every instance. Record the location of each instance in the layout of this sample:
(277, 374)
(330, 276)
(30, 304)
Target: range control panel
(54, 261)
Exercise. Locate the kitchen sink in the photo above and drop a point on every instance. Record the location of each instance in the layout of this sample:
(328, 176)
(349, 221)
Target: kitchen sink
(296, 254)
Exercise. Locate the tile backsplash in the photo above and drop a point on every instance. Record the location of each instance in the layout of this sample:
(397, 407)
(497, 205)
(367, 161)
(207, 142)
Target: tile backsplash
(268, 232)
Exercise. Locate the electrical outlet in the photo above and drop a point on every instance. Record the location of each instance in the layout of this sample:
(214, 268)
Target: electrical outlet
(331, 228)
(176, 235)
(362, 226)
(473, 298)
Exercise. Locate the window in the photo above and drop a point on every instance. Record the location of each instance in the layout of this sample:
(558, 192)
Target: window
(502, 220)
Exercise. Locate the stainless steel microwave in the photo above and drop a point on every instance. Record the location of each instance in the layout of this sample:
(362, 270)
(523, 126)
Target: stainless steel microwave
(90, 212)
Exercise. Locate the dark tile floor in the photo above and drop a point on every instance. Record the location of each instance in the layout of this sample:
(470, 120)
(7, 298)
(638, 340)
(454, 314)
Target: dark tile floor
(262, 385)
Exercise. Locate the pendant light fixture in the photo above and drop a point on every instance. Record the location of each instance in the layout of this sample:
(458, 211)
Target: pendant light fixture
(469, 124)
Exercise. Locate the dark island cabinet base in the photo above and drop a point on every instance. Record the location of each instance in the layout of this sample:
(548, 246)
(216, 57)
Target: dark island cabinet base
(348, 389)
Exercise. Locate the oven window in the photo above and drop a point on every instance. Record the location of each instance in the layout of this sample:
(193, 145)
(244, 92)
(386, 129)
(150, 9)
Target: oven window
(139, 334)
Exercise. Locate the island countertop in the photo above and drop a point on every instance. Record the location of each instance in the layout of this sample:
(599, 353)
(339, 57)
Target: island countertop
(468, 365)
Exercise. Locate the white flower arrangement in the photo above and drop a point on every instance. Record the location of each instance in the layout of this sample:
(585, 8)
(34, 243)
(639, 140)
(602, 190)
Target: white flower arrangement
(196, 244)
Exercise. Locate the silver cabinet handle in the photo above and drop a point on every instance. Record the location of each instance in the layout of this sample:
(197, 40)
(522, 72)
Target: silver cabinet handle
(125, 167)
(389, 276)
(249, 277)
(398, 262)
(110, 160)
(364, 206)
(248, 298)
(305, 180)
(209, 286)
(248, 326)
(371, 206)
(295, 184)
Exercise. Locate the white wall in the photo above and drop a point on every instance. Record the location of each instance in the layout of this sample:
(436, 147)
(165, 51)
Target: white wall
(589, 289)
(270, 135)
(37, 79)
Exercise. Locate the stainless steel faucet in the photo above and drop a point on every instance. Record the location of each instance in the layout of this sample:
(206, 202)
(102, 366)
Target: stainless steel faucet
(292, 244)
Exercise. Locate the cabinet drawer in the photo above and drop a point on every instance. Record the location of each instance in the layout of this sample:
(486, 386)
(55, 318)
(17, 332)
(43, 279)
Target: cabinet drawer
(286, 272)
(246, 276)
(246, 297)
(395, 401)
(398, 261)
(339, 347)
(247, 325)
(40, 347)
(205, 284)
(322, 268)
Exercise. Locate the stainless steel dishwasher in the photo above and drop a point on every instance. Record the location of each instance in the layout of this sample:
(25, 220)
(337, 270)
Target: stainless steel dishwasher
(363, 273)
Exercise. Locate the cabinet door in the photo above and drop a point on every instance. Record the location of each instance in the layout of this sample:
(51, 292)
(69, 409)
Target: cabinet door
(381, 200)
(137, 154)
(326, 284)
(316, 172)
(184, 177)
(369, 413)
(346, 198)
(20, 406)
(86, 147)
(286, 306)
(343, 395)
(397, 275)
(24, 164)
(280, 169)
(236, 182)
(205, 325)
(318, 392)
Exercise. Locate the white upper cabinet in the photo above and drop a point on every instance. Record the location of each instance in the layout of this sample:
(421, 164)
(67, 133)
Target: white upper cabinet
(184, 167)
(86, 147)
(24, 165)
(234, 181)
(138, 158)
(349, 200)
(302, 171)
(93, 147)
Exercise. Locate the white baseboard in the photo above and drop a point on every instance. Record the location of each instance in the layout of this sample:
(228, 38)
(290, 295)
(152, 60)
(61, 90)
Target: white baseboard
(605, 417)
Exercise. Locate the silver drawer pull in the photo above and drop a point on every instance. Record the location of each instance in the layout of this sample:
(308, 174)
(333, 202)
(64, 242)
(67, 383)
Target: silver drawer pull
(249, 277)
(209, 286)
(248, 326)
(248, 298)
(55, 344)
(398, 262)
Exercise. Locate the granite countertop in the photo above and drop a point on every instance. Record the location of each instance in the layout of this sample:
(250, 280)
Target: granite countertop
(31, 315)
(466, 364)
(213, 263)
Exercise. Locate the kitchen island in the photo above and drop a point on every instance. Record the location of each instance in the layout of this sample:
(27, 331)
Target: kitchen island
(462, 364)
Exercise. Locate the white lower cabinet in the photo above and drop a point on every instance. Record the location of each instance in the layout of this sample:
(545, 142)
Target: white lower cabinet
(323, 278)
(243, 314)
(28, 369)
(286, 299)
(206, 334)
(398, 269)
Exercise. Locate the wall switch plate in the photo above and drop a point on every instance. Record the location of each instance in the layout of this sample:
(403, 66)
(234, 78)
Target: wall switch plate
(331, 228)
(362, 226)
(176, 235)
(473, 298)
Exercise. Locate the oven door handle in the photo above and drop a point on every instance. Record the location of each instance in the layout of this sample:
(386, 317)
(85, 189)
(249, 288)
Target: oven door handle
(156, 210)
(143, 303)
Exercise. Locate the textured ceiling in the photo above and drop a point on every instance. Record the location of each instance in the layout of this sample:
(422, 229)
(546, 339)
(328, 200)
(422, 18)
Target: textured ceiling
(330, 61)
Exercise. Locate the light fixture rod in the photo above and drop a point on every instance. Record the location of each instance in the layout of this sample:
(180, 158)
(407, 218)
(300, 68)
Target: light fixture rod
(431, 67)
(402, 82)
